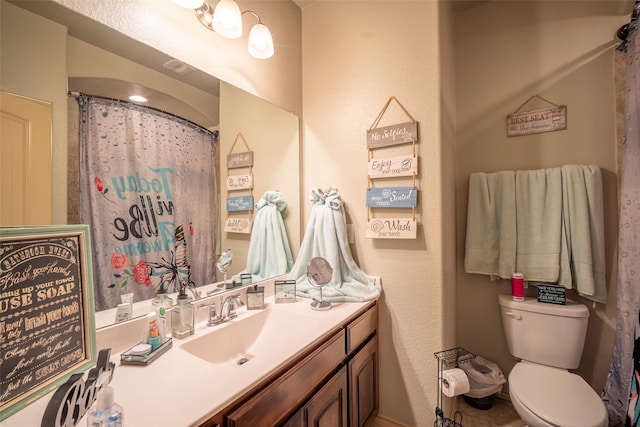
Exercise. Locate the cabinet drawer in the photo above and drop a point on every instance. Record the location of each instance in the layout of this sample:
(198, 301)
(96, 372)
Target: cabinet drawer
(276, 401)
(360, 329)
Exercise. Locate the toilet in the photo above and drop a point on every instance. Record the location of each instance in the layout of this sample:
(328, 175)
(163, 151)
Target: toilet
(548, 340)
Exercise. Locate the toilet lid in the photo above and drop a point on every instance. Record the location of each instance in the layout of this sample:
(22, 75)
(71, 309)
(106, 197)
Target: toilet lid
(557, 396)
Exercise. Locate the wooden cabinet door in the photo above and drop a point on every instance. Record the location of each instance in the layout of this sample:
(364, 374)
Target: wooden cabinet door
(363, 384)
(26, 193)
(328, 407)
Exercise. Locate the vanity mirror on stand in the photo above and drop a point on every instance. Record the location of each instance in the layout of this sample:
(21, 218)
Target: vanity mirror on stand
(319, 273)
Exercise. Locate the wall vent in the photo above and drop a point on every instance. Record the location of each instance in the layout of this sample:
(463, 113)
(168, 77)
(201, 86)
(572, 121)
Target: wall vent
(178, 67)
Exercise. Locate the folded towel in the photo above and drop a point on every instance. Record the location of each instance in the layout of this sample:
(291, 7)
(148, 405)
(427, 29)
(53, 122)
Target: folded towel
(490, 246)
(538, 219)
(326, 237)
(269, 251)
(583, 230)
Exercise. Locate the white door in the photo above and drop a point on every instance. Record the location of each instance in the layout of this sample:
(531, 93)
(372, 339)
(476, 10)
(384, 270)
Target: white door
(25, 161)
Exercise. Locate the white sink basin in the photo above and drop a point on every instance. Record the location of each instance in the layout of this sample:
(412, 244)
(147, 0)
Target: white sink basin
(263, 334)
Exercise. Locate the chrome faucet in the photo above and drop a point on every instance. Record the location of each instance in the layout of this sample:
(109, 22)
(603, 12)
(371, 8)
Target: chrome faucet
(229, 304)
(227, 309)
(213, 313)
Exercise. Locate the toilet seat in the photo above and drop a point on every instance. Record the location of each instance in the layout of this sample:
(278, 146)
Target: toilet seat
(557, 396)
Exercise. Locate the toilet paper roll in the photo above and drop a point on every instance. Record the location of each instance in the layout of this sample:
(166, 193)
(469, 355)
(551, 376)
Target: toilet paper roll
(454, 382)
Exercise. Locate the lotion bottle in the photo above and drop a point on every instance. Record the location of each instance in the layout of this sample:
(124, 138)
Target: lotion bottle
(107, 413)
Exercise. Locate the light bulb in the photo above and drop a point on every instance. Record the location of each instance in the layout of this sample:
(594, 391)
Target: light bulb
(260, 42)
(227, 20)
(189, 4)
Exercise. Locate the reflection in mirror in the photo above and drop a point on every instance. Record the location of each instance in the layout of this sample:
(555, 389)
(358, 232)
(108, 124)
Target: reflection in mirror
(102, 61)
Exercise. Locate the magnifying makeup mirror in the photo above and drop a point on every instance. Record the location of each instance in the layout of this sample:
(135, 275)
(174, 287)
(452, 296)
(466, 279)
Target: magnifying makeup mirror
(319, 273)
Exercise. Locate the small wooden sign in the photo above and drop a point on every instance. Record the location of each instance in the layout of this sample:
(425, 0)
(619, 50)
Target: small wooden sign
(387, 136)
(392, 167)
(552, 294)
(240, 160)
(392, 228)
(47, 329)
(240, 204)
(537, 121)
(240, 182)
(392, 197)
(238, 225)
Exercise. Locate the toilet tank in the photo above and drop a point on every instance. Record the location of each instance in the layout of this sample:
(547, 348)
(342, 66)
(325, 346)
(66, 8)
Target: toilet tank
(548, 334)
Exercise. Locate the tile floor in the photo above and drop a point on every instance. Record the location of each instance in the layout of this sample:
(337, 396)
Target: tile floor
(501, 414)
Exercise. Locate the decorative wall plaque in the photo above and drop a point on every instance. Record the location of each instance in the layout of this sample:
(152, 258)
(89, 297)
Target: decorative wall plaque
(46, 311)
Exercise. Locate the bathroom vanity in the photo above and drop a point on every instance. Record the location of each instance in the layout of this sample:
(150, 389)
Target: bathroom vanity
(284, 365)
(333, 382)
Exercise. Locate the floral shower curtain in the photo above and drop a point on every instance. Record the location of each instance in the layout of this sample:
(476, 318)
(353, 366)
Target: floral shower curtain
(623, 382)
(148, 192)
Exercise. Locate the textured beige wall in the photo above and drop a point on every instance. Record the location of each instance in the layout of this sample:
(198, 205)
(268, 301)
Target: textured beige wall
(30, 66)
(355, 56)
(505, 53)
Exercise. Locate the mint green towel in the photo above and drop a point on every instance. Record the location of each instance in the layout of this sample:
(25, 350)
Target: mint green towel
(539, 223)
(583, 262)
(490, 246)
(269, 251)
(326, 237)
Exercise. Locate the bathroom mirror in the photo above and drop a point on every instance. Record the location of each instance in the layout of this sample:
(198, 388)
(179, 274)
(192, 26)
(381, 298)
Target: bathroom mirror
(272, 133)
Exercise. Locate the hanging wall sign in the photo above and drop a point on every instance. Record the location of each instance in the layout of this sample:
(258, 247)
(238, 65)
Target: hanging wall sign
(240, 160)
(391, 228)
(240, 182)
(240, 204)
(392, 197)
(537, 121)
(238, 225)
(47, 329)
(391, 167)
(392, 135)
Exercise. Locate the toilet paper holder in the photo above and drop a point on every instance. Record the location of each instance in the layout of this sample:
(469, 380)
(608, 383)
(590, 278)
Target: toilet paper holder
(448, 359)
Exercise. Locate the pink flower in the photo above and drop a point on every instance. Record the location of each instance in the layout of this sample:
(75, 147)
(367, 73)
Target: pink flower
(99, 184)
(141, 273)
(118, 260)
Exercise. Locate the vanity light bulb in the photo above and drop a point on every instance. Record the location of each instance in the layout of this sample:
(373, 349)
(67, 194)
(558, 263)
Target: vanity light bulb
(189, 4)
(138, 98)
(227, 19)
(260, 42)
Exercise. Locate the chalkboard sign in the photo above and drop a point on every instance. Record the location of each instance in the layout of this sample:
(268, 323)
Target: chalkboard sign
(47, 330)
(552, 294)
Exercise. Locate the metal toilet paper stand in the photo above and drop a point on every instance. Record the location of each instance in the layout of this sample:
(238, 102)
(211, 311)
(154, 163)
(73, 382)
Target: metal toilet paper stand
(448, 359)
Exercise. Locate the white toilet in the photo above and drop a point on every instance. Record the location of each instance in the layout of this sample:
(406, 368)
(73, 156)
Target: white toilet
(548, 339)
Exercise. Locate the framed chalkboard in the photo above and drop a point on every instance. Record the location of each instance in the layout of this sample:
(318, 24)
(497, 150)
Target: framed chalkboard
(47, 329)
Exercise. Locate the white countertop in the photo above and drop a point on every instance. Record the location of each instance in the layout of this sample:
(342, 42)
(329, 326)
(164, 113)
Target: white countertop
(181, 389)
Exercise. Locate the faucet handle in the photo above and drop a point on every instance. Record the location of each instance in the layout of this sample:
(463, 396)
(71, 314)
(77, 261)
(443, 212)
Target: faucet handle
(213, 312)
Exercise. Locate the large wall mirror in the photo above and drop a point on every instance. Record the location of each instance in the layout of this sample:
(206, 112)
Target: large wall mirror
(103, 62)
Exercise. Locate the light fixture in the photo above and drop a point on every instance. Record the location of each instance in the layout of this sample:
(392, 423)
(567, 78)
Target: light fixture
(260, 40)
(138, 98)
(226, 20)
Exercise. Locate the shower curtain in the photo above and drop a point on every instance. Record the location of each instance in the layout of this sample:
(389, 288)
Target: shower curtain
(148, 192)
(622, 387)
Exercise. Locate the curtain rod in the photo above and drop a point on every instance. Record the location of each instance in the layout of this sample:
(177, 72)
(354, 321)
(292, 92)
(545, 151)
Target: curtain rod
(146, 107)
(623, 32)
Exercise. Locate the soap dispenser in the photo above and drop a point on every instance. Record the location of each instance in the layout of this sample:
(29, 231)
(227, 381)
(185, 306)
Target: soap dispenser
(107, 413)
(182, 316)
